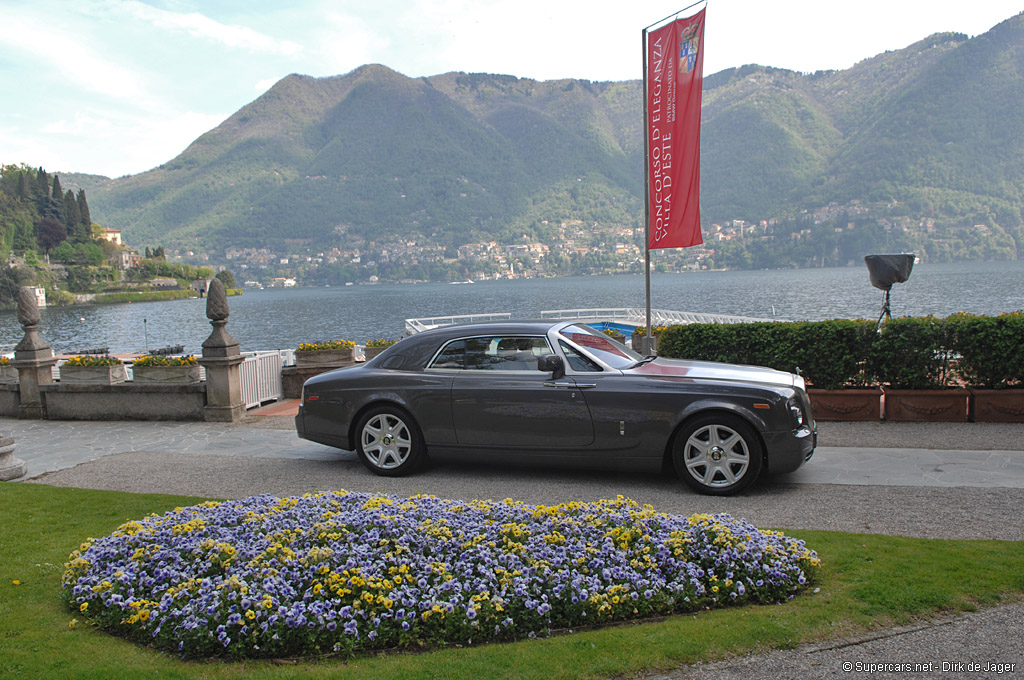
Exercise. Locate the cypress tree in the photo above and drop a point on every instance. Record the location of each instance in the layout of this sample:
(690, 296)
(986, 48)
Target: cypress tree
(42, 192)
(72, 217)
(83, 211)
(55, 202)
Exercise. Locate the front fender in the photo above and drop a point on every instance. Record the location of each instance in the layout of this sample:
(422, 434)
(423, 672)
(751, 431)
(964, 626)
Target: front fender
(712, 404)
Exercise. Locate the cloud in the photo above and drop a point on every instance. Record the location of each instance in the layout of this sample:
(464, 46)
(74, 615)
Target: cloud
(200, 26)
(344, 41)
(64, 53)
(111, 143)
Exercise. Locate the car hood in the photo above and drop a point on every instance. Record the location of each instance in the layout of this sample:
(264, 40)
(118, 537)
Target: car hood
(709, 370)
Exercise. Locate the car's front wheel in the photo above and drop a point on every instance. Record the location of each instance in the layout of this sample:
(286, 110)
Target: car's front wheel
(717, 454)
(389, 442)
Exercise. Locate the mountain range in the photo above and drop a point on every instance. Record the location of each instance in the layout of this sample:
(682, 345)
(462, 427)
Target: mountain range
(936, 128)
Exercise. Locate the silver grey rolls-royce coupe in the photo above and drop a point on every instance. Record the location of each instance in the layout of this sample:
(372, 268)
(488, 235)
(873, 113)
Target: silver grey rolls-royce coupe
(563, 393)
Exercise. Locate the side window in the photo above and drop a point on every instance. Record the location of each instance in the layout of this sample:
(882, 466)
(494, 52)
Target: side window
(505, 353)
(577, 361)
(453, 355)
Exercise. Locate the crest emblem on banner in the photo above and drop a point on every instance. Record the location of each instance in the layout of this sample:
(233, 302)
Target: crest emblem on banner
(689, 46)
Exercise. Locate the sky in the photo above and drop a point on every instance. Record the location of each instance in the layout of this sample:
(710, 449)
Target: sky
(116, 87)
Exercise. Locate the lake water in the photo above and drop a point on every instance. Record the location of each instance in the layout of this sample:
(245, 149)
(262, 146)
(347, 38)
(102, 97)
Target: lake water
(283, 318)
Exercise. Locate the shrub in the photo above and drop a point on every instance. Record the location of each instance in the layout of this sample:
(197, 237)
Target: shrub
(829, 354)
(703, 342)
(911, 353)
(832, 354)
(988, 351)
(380, 342)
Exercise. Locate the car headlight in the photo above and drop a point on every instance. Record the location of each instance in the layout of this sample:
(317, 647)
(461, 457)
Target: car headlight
(796, 413)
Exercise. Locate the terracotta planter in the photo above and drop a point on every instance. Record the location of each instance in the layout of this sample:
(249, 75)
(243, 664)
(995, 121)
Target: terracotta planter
(928, 406)
(93, 375)
(855, 404)
(166, 375)
(325, 357)
(997, 406)
(8, 375)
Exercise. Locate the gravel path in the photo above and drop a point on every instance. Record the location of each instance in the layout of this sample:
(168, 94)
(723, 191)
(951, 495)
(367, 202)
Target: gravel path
(982, 644)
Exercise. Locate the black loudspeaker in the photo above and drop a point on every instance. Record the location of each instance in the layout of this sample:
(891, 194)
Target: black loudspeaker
(886, 270)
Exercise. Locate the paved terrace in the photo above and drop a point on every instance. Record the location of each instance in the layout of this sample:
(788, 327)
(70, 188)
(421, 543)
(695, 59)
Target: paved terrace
(898, 478)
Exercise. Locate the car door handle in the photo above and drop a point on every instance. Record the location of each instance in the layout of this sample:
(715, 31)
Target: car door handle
(571, 385)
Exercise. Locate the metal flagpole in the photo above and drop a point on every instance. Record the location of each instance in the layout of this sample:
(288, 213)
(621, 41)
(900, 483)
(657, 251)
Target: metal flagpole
(647, 182)
(647, 206)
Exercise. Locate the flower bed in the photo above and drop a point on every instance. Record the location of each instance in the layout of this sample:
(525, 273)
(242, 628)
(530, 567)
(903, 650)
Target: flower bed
(329, 345)
(93, 370)
(90, 361)
(375, 347)
(346, 573)
(157, 360)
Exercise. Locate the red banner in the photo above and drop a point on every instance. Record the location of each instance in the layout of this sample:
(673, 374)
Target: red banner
(675, 67)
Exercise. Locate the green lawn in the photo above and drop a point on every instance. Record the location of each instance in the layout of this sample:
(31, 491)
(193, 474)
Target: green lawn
(866, 581)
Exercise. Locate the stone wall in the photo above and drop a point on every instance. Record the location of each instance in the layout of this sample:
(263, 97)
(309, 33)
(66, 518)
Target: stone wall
(124, 401)
(10, 399)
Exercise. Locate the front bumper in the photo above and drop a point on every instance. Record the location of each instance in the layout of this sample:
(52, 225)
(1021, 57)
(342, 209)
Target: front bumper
(787, 451)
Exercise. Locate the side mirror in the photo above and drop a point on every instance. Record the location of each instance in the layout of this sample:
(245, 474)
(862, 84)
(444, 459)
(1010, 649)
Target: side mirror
(552, 363)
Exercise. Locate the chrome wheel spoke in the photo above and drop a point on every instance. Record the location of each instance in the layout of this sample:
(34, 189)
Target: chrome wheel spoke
(716, 455)
(386, 441)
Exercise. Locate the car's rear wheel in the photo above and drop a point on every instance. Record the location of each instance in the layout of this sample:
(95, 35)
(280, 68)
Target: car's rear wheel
(389, 442)
(717, 454)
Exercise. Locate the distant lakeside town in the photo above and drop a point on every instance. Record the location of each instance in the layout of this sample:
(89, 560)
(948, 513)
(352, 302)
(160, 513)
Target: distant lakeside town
(832, 235)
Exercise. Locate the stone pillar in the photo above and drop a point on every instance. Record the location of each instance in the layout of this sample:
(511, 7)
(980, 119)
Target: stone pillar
(33, 358)
(221, 359)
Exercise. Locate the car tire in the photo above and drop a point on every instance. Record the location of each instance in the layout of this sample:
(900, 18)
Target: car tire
(717, 454)
(389, 442)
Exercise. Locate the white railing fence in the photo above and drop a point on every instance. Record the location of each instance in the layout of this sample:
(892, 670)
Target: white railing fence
(632, 315)
(261, 378)
(413, 326)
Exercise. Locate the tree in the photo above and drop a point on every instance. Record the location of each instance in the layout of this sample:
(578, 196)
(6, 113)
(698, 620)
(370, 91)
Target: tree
(50, 233)
(24, 193)
(227, 277)
(24, 233)
(72, 217)
(11, 281)
(42, 189)
(83, 211)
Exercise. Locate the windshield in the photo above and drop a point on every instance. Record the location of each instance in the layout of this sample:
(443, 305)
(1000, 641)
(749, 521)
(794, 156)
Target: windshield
(600, 346)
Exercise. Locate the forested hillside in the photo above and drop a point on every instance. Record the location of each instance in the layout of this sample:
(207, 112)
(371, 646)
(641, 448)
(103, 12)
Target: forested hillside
(928, 139)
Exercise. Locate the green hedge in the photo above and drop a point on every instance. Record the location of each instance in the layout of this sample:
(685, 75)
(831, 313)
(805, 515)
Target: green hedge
(989, 350)
(912, 353)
